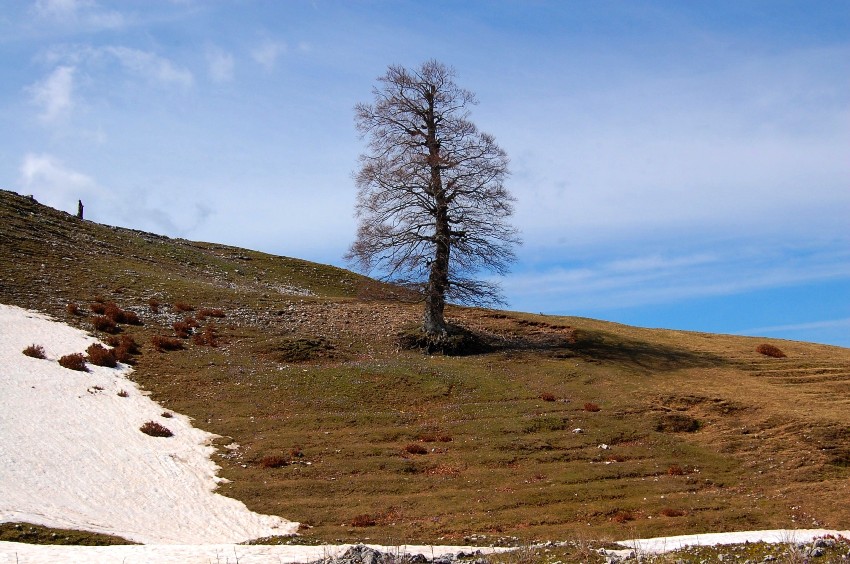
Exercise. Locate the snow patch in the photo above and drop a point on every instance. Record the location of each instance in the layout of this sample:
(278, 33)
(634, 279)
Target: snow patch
(72, 455)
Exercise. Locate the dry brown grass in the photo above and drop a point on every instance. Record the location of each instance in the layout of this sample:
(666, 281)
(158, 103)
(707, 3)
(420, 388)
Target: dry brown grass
(183, 307)
(363, 520)
(162, 343)
(770, 350)
(273, 461)
(75, 361)
(101, 356)
(415, 448)
(35, 351)
(592, 407)
(155, 429)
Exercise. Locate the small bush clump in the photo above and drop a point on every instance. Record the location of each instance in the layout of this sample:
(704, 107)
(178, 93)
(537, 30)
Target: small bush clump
(72, 309)
(547, 396)
(675, 470)
(35, 351)
(103, 323)
(123, 394)
(592, 407)
(208, 337)
(75, 361)
(118, 315)
(101, 356)
(770, 350)
(167, 414)
(181, 329)
(415, 448)
(154, 429)
(205, 312)
(123, 347)
(623, 516)
(670, 512)
(183, 306)
(153, 304)
(273, 461)
(162, 343)
(435, 438)
(363, 521)
(98, 308)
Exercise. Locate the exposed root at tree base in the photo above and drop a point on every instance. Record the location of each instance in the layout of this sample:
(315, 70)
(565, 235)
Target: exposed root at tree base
(456, 341)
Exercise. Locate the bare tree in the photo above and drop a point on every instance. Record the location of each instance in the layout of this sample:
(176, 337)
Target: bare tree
(431, 202)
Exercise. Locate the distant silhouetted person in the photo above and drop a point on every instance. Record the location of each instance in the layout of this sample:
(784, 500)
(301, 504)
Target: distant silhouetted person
(80, 209)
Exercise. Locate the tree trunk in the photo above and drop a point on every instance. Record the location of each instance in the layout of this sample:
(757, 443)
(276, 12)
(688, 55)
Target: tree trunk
(433, 322)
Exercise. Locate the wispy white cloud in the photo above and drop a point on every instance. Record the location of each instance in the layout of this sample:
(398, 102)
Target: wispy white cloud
(54, 94)
(268, 53)
(660, 279)
(54, 183)
(812, 325)
(151, 66)
(220, 65)
(78, 13)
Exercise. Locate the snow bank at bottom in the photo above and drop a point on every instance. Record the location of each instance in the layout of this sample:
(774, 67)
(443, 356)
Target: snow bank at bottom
(667, 544)
(72, 455)
(221, 554)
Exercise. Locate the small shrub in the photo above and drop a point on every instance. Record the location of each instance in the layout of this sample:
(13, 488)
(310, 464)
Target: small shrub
(208, 337)
(210, 312)
(592, 407)
(123, 394)
(770, 350)
(154, 429)
(415, 448)
(162, 343)
(101, 356)
(296, 452)
(363, 521)
(118, 315)
(153, 304)
(670, 512)
(103, 323)
(547, 396)
(98, 299)
(675, 470)
(124, 347)
(167, 414)
(191, 321)
(273, 461)
(35, 351)
(623, 516)
(74, 361)
(181, 329)
(183, 306)
(98, 308)
(72, 309)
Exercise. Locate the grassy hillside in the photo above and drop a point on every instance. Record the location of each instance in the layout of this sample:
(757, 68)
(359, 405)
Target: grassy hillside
(325, 420)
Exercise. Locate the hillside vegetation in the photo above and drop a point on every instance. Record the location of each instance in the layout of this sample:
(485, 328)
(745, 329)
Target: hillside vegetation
(566, 428)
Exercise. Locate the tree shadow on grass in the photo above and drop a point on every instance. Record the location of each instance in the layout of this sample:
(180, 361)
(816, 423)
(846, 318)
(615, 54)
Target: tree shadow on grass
(655, 357)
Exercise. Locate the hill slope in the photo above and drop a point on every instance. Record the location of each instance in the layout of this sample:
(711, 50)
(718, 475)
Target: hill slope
(339, 428)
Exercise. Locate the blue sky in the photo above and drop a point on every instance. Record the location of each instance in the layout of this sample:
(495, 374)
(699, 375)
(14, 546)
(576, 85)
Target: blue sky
(676, 164)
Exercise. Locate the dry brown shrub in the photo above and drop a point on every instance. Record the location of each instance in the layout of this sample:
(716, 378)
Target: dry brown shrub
(273, 461)
(183, 306)
(34, 351)
(153, 304)
(546, 396)
(208, 337)
(363, 521)
(592, 407)
(770, 350)
(162, 343)
(103, 323)
(181, 329)
(435, 437)
(154, 429)
(72, 309)
(415, 448)
(75, 361)
(670, 512)
(210, 312)
(675, 470)
(296, 452)
(623, 516)
(99, 299)
(98, 308)
(101, 356)
(167, 414)
(123, 394)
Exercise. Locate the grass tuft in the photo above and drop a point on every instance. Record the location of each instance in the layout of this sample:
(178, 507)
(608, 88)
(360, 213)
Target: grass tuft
(154, 429)
(592, 407)
(101, 356)
(770, 350)
(162, 343)
(75, 361)
(35, 351)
